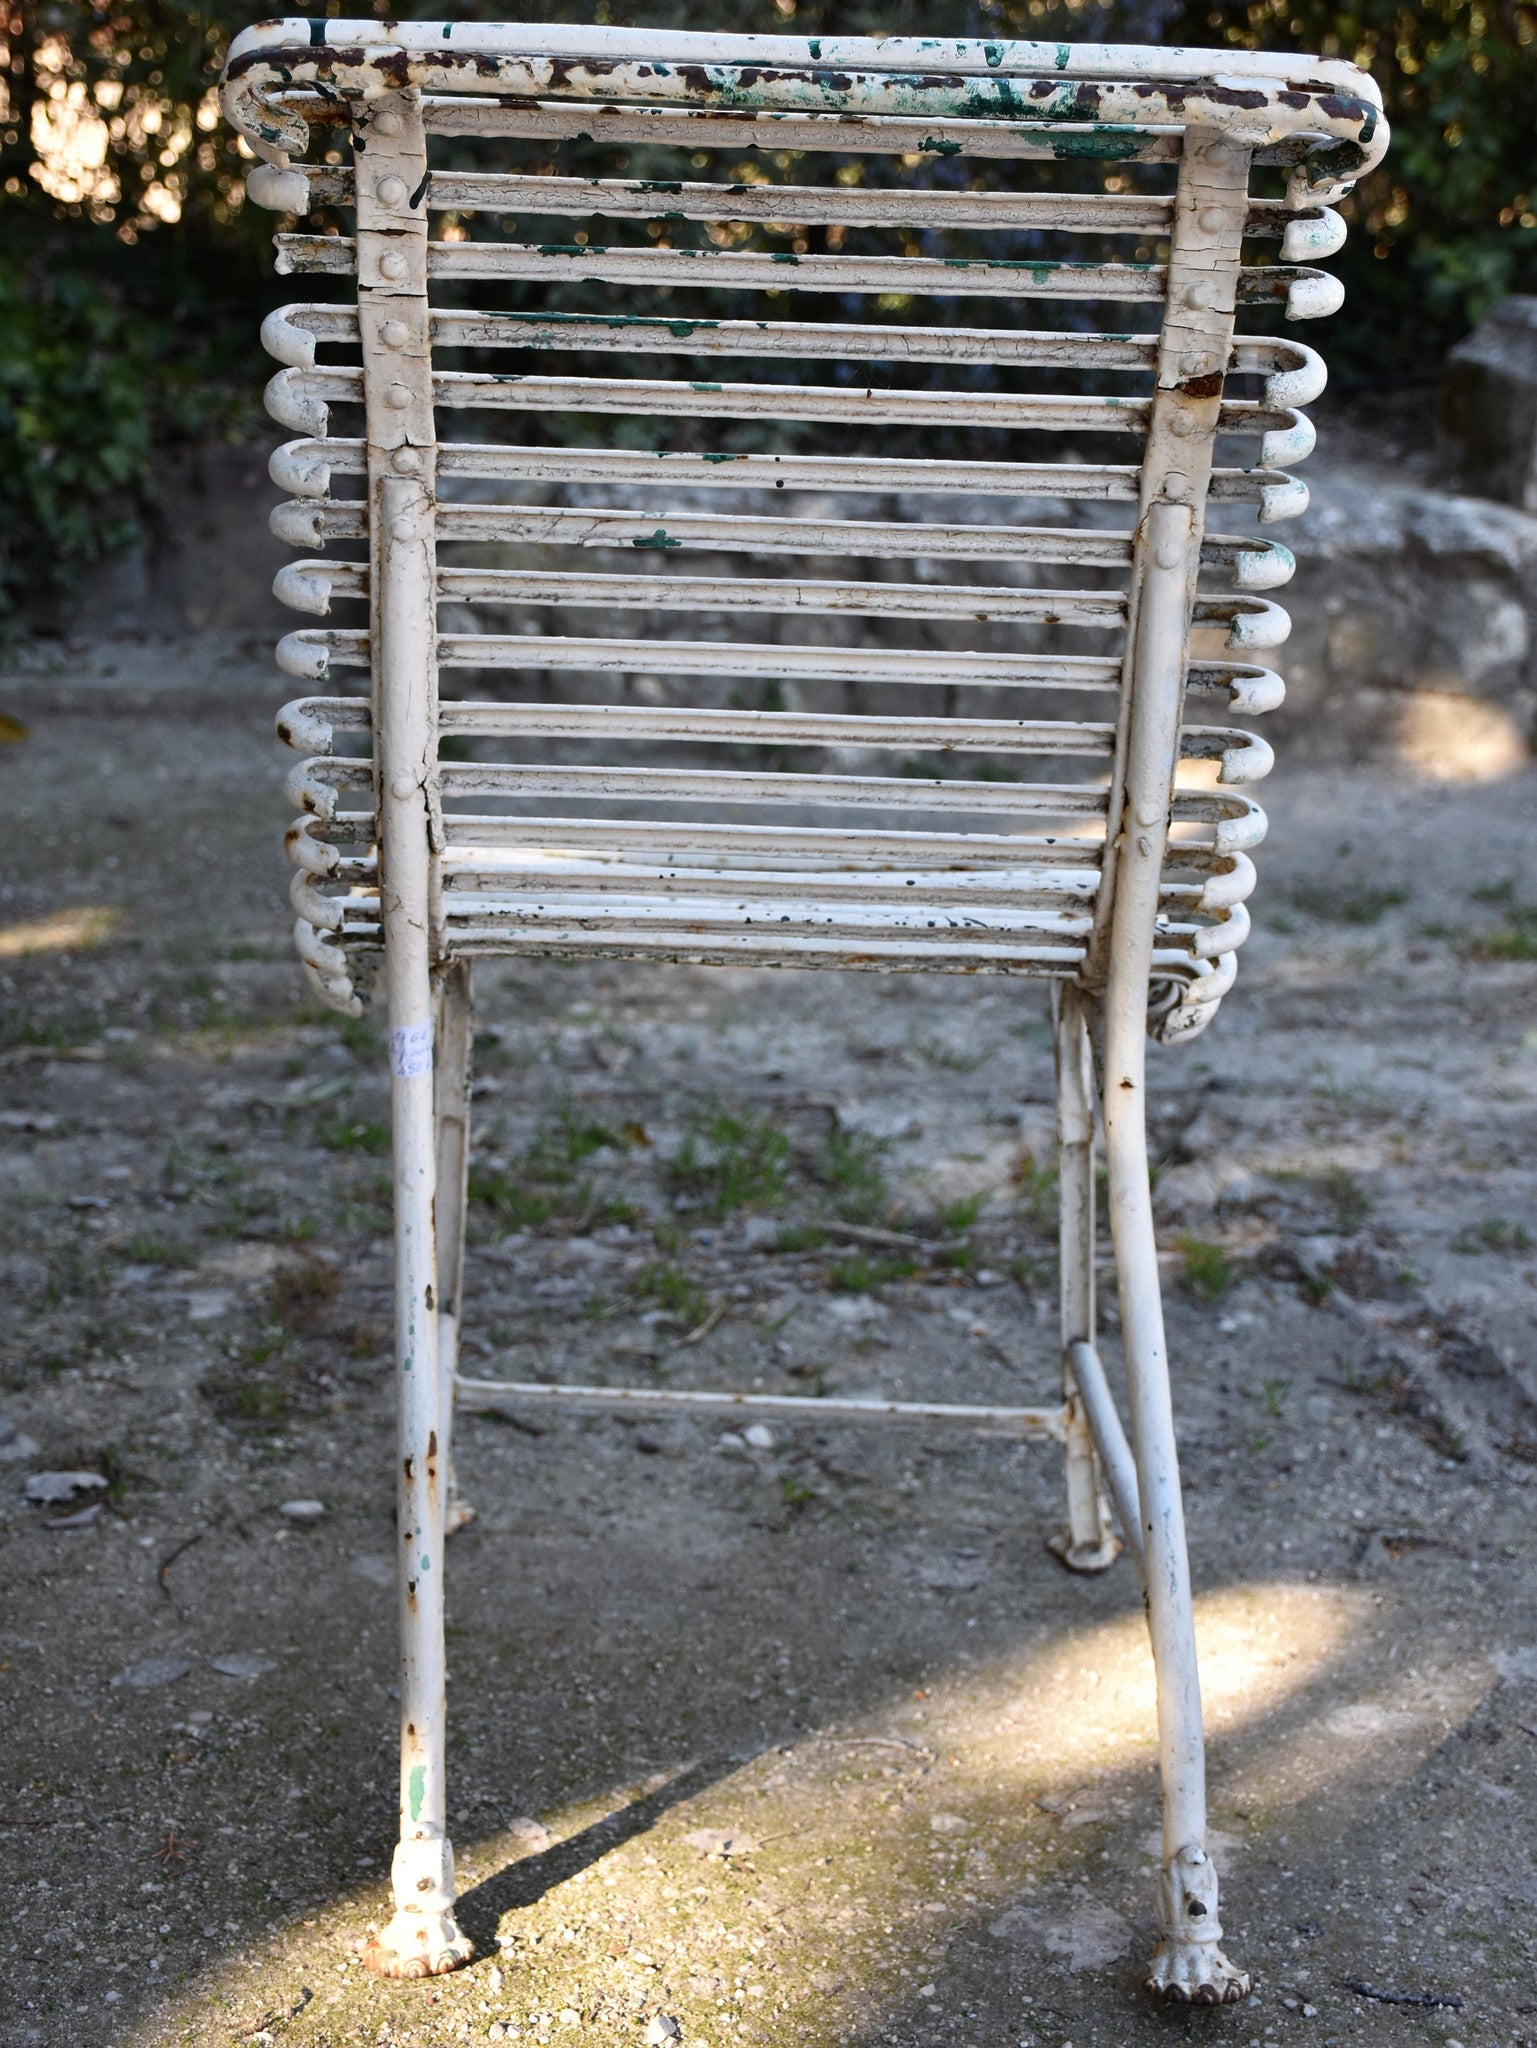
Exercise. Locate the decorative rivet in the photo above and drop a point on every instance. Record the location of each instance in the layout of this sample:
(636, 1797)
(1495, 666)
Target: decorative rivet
(403, 530)
(1176, 484)
(1193, 363)
(397, 398)
(1199, 294)
(390, 191)
(402, 787)
(392, 265)
(1213, 219)
(394, 334)
(1169, 554)
(1183, 425)
(386, 123)
(408, 461)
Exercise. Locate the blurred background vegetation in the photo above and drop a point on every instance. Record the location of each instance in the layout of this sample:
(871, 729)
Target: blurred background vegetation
(133, 275)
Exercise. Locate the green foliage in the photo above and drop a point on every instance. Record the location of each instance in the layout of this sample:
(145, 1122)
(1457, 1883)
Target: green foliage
(134, 272)
(1208, 1271)
(731, 1162)
(666, 1283)
(849, 1168)
(1448, 223)
(859, 1273)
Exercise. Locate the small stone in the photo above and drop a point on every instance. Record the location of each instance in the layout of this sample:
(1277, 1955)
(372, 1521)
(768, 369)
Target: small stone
(83, 1518)
(530, 1835)
(661, 2029)
(1310, 2012)
(928, 1990)
(153, 1671)
(36, 1120)
(570, 2017)
(242, 1664)
(377, 1570)
(948, 1824)
(494, 1977)
(722, 1842)
(57, 1486)
(758, 1436)
(302, 1510)
(496, 2031)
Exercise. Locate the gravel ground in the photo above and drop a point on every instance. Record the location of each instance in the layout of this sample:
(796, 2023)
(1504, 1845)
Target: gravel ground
(807, 1740)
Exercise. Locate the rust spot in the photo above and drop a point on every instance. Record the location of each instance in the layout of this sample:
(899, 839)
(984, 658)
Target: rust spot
(1209, 386)
(409, 1466)
(432, 1444)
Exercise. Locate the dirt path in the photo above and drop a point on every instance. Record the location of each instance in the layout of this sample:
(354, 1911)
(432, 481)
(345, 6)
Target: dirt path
(802, 1741)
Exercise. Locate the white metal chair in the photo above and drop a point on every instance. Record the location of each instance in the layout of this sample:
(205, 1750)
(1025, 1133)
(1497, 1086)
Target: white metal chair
(1110, 865)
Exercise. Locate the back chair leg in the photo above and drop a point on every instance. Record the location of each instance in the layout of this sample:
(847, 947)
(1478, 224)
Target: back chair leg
(455, 1039)
(423, 1938)
(1088, 1543)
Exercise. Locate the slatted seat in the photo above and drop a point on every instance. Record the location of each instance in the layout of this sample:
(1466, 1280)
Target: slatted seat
(866, 323)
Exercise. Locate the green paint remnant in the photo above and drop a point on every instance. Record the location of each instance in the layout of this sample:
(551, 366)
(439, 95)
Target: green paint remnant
(566, 249)
(720, 458)
(993, 52)
(660, 539)
(939, 145)
(706, 387)
(1064, 55)
(1107, 145)
(783, 256)
(416, 1790)
(814, 45)
(426, 1562)
(658, 185)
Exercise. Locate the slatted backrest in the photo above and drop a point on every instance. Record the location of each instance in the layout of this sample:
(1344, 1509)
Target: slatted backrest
(1000, 577)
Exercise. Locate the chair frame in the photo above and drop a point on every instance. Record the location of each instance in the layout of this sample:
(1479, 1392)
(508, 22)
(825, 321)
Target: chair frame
(1213, 112)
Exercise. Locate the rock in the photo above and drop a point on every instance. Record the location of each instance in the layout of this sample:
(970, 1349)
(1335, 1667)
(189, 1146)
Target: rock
(948, 1824)
(758, 1436)
(377, 1570)
(661, 2029)
(1414, 626)
(1089, 1938)
(721, 1842)
(242, 1664)
(57, 1486)
(1489, 406)
(15, 1449)
(83, 1518)
(153, 1671)
(530, 1835)
(1204, 1185)
(38, 1121)
(939, 1571)
(303, 1511)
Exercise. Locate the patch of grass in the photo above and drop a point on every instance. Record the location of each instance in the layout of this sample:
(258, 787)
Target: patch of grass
(665, 1282)
(145, 1249)
(732, 1162)
(1208, 1271)
(512, 1200)
(1494, 1234)
(339, 1132)
(860, 1274)
(362, 1038)
(958, 1217)
(301, 1293)
(849, 1167)
(1037, 1191)
(1514, 941)
(957, 1258)
(1360, 906)
(1349, 1200)
(1273, 1393)
(800, 1237)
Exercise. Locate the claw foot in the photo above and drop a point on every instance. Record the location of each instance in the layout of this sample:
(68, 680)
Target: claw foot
(1084, 1557)
(423, 1938)
(1188, 1966)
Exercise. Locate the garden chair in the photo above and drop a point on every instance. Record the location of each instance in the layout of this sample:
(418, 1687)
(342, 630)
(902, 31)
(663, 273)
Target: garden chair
(1113, 858)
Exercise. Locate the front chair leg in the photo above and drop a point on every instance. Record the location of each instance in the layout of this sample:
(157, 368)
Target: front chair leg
(1188, 1966)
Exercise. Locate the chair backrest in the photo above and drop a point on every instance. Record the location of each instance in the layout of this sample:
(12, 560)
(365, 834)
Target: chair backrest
(678, 391)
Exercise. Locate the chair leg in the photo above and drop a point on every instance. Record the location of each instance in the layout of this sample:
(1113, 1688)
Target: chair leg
(1188, 1965)
(1088, 1543)
(456, 1031)
(423, 1937)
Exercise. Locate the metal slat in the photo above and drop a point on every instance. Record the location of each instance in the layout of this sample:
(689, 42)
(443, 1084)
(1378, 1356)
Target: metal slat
(786, 844)
(707, 785)
(1031, 1425)
(1104, 213)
